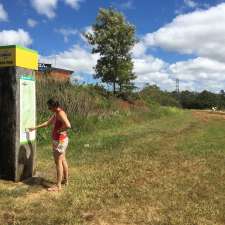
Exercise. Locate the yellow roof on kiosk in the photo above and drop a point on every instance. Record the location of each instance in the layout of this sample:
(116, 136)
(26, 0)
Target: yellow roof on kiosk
(15, 55)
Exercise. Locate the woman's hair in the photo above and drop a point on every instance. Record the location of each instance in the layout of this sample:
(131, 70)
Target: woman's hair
(53, 103)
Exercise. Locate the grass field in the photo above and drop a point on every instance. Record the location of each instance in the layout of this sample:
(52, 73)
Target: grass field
(162, 171)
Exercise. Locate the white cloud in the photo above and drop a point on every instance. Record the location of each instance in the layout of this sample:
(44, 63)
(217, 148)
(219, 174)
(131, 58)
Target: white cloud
(148, 64)
(201, 33)
(32, 23)
(149, 69)
(199, 69)
(87, 29)
(3, 14)
(74, 3)
(127, 5)
(203, 73)
(45, 7)
(15, 37)
(48, 7)
(139, 49)
(67, 32)
(199, 74)
(190, 3)
(77, 59)
(124, 5)
(195, 74)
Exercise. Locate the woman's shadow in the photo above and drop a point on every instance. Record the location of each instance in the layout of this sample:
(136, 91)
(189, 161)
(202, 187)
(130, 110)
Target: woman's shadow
(38, 181)
(26, 163)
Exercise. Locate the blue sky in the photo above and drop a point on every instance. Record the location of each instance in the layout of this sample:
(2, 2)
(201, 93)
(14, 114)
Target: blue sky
(177, 38)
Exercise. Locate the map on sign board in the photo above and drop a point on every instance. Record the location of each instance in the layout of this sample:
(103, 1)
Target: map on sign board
(7, 57)
(27, 108)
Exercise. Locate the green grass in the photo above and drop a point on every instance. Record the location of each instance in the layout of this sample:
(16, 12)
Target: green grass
(160, 168)
(209, 140)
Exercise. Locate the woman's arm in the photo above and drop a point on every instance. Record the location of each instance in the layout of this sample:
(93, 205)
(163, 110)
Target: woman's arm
(66, 123)
(45, 124)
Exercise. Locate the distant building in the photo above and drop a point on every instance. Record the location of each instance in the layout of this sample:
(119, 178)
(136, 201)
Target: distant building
(47, 71)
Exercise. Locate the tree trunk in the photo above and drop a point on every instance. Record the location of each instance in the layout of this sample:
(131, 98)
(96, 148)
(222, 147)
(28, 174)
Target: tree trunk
(114, 87)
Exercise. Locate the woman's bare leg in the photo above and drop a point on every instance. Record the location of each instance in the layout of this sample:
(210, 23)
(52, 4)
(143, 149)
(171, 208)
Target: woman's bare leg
(65, 169)
(59, 170)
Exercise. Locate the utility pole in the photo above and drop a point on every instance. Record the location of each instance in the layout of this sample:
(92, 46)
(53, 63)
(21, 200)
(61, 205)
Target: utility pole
(177, 86)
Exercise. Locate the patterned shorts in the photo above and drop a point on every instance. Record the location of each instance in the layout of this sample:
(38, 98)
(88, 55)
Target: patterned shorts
(61, 145)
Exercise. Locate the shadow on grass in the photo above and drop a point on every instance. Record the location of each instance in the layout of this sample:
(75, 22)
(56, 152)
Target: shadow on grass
(38, 181)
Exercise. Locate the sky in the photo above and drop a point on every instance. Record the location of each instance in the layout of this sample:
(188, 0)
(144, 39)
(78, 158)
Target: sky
(178, 39)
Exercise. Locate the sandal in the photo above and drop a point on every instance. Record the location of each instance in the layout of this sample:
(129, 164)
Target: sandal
(65, 182)
(54, 188)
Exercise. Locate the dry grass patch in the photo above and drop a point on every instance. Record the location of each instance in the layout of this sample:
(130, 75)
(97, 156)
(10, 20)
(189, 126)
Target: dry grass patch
(168, 171)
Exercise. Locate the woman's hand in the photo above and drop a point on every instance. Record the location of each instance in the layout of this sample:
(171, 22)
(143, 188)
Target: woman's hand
(61, 131)
(31, 129)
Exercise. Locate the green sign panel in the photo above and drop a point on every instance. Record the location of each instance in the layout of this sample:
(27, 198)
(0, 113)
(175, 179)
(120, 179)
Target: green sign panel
(27, 108)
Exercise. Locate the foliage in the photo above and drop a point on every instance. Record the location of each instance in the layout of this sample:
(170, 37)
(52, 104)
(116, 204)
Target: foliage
(113, 39)
(152, 94)
(185, 99)
(87, 105)
(80, 102)
(202, 100)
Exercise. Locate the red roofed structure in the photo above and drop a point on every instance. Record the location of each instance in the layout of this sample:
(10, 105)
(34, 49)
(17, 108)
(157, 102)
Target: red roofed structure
(47, 71)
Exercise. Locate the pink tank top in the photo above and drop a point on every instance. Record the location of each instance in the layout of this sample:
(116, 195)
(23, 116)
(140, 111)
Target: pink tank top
(58, 124)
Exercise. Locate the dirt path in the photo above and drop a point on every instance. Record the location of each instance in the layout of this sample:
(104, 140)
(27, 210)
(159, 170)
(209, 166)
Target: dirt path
(205, 115)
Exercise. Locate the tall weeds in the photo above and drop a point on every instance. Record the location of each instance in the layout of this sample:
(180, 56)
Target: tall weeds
(84, 104)
(75, 99)
(90, 107)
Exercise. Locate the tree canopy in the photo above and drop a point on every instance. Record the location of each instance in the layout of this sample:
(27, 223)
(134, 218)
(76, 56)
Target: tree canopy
(113, 38)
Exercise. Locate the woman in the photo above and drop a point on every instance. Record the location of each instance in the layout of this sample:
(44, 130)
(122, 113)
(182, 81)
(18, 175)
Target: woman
(60, 140)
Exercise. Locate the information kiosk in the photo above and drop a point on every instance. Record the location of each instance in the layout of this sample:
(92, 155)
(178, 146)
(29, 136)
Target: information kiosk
(17, 112)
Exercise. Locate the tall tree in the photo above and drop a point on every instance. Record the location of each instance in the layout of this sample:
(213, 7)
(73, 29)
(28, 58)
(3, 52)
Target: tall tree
(113, 38)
